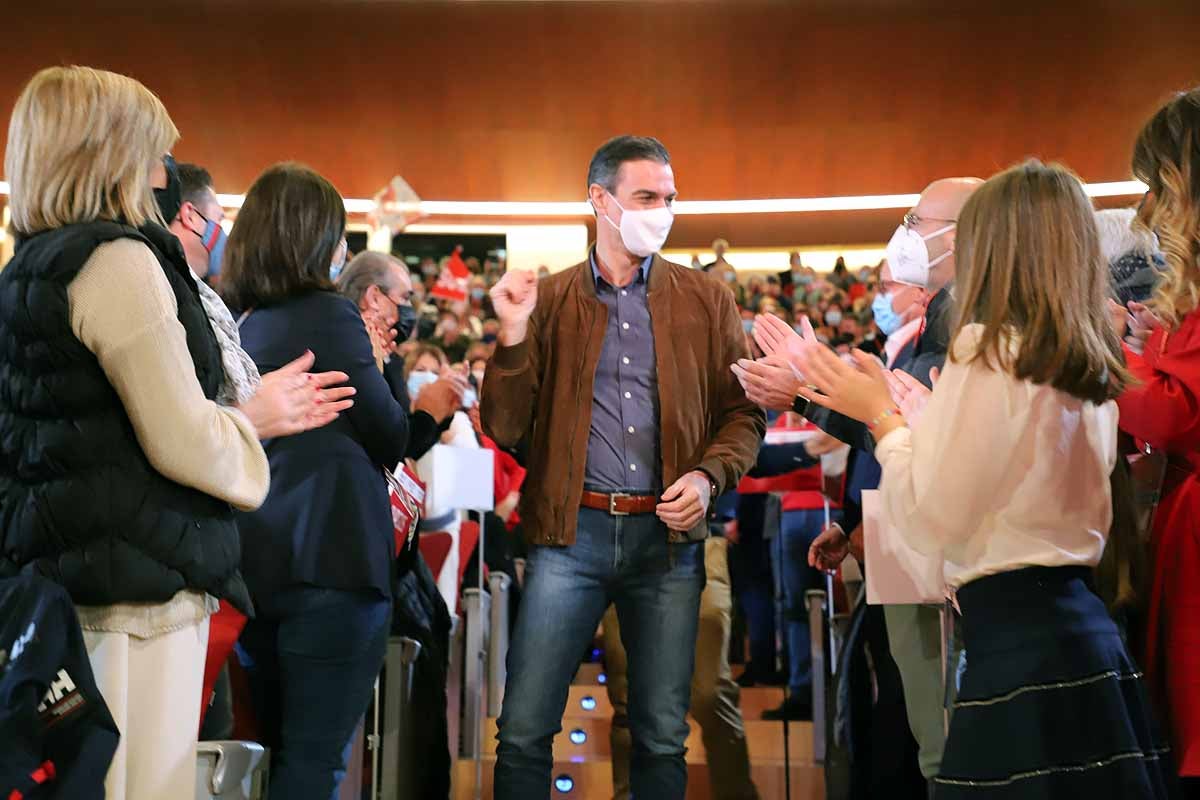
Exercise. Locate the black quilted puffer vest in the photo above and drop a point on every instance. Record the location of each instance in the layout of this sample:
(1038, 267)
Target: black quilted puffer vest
(79, 501)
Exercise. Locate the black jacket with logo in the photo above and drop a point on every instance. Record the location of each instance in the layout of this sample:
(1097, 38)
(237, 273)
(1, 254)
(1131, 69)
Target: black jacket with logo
(57, 737)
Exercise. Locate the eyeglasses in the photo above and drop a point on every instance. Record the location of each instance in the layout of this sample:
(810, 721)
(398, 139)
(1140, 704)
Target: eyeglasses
(383, 290)
(912, 220)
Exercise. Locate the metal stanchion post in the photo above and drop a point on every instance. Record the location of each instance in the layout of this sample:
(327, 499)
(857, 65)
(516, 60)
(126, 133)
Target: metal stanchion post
(833, 654)
(481, 710)
(816, 629)
(499, 585)
(780, 644)
(947, 625)
(396, 770)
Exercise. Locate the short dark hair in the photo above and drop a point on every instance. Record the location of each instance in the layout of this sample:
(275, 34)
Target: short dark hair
(606, 164)
(194, 183)
(283, 241)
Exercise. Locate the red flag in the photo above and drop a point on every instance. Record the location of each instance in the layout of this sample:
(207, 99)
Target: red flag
(452, 283)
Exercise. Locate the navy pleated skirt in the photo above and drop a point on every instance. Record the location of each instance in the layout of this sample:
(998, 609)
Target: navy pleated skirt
(1050, 704)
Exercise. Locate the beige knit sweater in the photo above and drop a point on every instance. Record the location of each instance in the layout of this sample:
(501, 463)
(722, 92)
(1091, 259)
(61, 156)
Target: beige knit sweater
(124, 311)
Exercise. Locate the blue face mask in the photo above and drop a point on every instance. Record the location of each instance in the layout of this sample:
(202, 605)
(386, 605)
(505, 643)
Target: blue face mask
(748, 325)
(418, 380)
(888, 320)
(213, 241)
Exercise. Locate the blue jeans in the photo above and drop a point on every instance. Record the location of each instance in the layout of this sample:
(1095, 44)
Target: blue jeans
(789, 560)
(655, 585)
(312, 656)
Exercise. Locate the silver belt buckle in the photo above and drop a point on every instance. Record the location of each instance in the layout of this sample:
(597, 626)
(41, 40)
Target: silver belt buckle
(612, 504)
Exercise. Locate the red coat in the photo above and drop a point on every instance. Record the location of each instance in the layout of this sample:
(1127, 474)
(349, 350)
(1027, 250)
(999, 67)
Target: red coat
(507, 477)
(1163, 410)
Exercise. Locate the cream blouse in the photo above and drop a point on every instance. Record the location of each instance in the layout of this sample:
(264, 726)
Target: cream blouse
(1000, 473)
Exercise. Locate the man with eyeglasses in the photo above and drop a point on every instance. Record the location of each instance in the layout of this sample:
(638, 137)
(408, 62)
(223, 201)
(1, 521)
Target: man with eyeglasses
(921, 254)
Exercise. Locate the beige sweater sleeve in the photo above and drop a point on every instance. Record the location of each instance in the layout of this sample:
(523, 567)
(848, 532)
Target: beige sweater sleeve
(124, 311)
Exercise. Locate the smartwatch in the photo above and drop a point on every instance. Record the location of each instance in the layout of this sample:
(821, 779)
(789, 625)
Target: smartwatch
(800, 405)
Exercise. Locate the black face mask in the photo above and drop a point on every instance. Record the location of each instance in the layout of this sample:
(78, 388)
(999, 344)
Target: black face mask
(406, 320)
(170, 198)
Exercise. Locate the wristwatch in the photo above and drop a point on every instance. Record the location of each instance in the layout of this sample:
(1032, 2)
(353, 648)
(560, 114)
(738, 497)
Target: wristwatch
(712, 492)
(800, 405)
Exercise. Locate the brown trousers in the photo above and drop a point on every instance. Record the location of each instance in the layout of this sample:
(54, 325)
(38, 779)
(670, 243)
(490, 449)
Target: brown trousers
(714, 702)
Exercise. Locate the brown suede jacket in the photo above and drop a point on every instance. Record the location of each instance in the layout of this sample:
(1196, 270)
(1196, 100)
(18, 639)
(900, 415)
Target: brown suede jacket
(543, 387)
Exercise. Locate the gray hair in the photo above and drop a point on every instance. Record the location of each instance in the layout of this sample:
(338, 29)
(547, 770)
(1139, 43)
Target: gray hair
(365, 270)
(615, 152)
(1119, 235)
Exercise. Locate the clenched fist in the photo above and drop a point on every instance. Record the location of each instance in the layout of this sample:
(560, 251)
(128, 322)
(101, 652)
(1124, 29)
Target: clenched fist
(514, 298)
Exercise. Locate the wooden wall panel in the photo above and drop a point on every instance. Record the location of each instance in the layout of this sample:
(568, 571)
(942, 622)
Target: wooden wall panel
(755, 98)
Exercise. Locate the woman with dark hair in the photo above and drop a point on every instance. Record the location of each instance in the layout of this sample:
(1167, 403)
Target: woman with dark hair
(318, 555)
(1162, 409)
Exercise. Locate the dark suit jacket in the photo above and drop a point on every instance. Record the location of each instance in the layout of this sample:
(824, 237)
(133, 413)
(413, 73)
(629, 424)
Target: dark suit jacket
(327, 521)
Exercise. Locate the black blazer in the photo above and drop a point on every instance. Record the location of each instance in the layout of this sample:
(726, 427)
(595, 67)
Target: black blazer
(326, 521)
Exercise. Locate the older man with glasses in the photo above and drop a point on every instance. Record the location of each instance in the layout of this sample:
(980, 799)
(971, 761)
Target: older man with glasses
(382, 288)
(921, 254)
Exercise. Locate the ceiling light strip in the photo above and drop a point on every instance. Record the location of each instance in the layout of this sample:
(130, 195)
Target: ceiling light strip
(801, 205)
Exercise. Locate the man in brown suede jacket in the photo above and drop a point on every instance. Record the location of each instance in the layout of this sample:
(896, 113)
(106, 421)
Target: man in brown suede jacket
(618, 370)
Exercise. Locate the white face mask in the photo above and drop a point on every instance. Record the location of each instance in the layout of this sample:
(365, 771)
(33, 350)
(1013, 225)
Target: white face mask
(644, 232)
(908, 255)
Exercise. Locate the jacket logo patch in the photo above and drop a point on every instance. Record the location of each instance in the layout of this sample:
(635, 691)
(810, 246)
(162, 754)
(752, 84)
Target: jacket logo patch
(23, 641)
(62, 699)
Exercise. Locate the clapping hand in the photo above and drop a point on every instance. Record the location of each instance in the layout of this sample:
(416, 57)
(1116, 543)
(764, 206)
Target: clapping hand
(775, 337)
(909, 394)
(771, 382)
(291, 399)
(860, 392)
(443, 397)
(382, 337)
(1142, 323)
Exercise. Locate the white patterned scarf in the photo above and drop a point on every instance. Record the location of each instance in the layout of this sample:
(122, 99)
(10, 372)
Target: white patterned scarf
(241, 375)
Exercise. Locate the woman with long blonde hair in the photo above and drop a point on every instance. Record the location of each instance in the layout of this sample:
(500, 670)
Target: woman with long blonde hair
(1005, 473)
(1162, 409)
